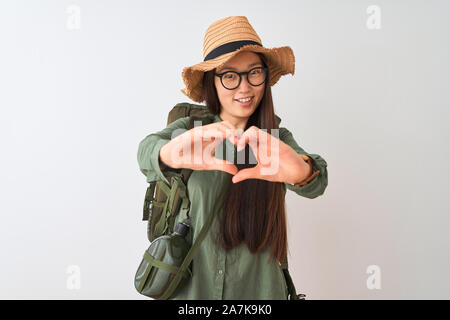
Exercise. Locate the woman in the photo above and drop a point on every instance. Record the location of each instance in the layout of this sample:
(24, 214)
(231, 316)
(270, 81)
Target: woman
(241, 255)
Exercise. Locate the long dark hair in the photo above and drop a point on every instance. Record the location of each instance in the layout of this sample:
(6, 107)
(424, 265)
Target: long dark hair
(254, 209)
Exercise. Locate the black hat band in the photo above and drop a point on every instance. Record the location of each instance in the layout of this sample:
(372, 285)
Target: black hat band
(229, 47)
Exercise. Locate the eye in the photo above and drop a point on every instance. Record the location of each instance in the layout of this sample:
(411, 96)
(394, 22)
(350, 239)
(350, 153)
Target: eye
(229, 76)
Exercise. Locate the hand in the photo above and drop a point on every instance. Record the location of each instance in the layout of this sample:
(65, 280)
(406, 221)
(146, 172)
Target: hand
(277, 161)
(199, 142)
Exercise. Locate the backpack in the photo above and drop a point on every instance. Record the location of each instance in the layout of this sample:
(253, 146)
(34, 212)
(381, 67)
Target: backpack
(164, 202)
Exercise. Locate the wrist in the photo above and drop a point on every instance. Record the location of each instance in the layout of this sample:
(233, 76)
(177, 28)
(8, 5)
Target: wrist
(309, 172)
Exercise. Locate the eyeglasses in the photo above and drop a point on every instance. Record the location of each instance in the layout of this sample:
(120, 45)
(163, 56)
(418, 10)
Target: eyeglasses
(231, 79)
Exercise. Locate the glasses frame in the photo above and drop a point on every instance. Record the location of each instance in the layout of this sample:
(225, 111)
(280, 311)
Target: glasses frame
(240, 74)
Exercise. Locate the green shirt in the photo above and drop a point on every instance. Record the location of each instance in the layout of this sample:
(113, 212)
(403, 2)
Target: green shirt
(218, 274)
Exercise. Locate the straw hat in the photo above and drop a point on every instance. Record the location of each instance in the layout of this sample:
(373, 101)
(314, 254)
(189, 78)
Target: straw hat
(223, 40)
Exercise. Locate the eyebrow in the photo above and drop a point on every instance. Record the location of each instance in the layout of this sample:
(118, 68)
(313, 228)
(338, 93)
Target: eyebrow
(251, 65)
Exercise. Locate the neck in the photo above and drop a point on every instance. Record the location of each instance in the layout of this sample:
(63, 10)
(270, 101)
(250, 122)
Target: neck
(238, 123)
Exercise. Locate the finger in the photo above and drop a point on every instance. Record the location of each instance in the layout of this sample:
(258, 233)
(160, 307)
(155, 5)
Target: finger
(225, 166)
(227, 124)
(213, 163)
(241, 143)
(234, 139)
(214, 134)
(249, 173)
(223, 126)
(217, 130)
(232, 135)
(211, 148)
(249, 136)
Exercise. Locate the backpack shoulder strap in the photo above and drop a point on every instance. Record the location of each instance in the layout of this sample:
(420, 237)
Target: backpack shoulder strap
(185, 109)
(290, 284)
(190, 255)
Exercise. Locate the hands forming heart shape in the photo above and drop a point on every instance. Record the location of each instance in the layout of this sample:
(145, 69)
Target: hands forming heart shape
(277, 161)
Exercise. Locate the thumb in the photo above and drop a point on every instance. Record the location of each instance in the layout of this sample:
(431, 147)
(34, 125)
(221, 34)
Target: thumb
(225, 166)
(249, 173)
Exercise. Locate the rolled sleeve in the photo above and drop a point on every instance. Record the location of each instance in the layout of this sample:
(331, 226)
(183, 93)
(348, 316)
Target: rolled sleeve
(149, 147)
(316, 186)
(150, 167)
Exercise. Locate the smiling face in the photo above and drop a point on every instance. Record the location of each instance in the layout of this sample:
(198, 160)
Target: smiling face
(231, 110)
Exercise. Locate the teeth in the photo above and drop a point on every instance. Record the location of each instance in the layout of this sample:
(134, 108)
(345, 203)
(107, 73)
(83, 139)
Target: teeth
(244, 100)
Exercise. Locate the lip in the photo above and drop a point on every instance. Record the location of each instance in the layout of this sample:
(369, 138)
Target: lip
(246, 104)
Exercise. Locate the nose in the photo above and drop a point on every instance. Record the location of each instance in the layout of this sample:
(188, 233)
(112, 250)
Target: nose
(244, 85)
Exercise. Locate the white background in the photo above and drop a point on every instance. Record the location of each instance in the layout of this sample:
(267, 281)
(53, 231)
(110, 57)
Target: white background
(75, 103)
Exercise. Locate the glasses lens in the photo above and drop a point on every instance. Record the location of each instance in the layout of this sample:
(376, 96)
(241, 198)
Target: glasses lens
(256, 76)
(230, 79)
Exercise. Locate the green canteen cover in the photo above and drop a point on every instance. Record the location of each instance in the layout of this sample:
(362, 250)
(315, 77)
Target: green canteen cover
(160, 264)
